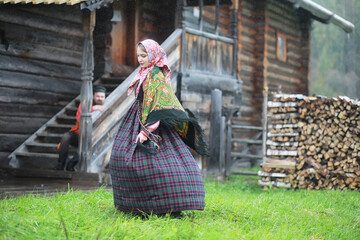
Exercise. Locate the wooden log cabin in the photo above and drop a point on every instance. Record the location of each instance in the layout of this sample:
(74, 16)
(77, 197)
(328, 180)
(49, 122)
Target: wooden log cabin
(240, 47)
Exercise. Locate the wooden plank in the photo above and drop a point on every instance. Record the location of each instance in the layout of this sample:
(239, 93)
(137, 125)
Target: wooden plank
(29, 173)
(281, 104)
(271, 174)
(235, 172)
(282, 134)
(248, 141)
(245, 155)
(274, 163)
(282, 144)
(274, 184)
(247, 127)
(282, 126)
(271, 152)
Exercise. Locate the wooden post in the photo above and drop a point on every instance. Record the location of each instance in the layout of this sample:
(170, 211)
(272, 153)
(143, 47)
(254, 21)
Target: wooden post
(228, 149)
(264, 137)
(86, 97)
(222, 148)
(215, 118)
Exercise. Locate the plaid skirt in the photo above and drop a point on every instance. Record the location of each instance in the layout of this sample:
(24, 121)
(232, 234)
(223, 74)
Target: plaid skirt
(167, 181)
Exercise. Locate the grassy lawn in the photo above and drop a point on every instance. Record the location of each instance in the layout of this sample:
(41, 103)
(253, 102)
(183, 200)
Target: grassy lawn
(238, 209)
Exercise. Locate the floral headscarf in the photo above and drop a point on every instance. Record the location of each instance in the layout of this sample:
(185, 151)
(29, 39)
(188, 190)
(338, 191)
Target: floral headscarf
(157, 57)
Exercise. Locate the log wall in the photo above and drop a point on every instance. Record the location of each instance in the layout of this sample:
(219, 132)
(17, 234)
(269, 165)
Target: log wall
(259, 22)
(290, 75)
(40, 67)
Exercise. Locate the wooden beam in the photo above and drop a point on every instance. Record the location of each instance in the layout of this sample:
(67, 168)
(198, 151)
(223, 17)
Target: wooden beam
(86, 91)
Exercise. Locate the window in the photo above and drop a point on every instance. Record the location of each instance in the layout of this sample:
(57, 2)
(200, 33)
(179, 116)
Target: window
(281, 46)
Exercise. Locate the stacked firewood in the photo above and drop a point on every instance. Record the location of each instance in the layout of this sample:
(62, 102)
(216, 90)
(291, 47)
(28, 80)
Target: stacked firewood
(329, 144)
(282, 141)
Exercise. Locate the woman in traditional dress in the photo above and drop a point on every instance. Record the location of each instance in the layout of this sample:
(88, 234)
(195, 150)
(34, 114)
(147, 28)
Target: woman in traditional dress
(152, 169)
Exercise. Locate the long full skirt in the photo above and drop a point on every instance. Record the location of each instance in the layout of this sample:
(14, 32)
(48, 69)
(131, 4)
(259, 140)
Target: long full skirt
(167, 181)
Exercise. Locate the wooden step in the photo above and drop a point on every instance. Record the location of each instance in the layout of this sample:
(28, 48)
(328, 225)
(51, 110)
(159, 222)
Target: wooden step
(16, 182)
(71, 111)
(36, 147)
(37, 160)
(49, 137)
(58, 128)
(66, 119)
(41, 147)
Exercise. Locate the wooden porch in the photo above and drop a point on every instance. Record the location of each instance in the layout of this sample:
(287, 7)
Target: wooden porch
(18, 181)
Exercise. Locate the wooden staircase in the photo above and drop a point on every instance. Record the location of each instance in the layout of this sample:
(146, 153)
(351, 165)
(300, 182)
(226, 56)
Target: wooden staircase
(40, 150)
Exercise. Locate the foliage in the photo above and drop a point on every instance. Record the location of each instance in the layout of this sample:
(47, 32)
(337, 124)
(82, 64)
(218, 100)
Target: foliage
(335, 54)
(236, 209)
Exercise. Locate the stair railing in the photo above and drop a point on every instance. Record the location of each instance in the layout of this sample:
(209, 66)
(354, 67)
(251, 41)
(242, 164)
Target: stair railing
(105, 123)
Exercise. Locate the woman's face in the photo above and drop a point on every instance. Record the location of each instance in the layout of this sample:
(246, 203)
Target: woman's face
(143, 57)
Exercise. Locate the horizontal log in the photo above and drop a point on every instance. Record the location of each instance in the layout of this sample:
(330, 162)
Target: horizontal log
(45, 53)
(227, 84)
(20, 125)
(9, 142)
(36, 82)
(28, 110)
(20, 33)
(11, 15)
(13, 95)
(64, 13)
(43, 68)
(4, 160)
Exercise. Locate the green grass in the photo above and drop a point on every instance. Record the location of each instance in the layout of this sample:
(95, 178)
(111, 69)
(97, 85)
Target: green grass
(237, 209)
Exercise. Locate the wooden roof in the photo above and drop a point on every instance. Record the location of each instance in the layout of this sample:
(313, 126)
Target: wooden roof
(67, 2)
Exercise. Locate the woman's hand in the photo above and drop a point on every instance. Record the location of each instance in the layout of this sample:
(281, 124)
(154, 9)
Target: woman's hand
(141, 138)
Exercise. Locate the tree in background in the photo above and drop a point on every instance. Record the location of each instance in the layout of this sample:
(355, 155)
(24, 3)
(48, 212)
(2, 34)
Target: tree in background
(335, 60)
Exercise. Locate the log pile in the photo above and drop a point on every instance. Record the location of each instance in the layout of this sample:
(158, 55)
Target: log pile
(329, 144)
(282, 140)
(312, 143)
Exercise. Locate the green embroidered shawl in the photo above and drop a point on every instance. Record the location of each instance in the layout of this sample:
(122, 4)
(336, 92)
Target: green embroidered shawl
(161, 104)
